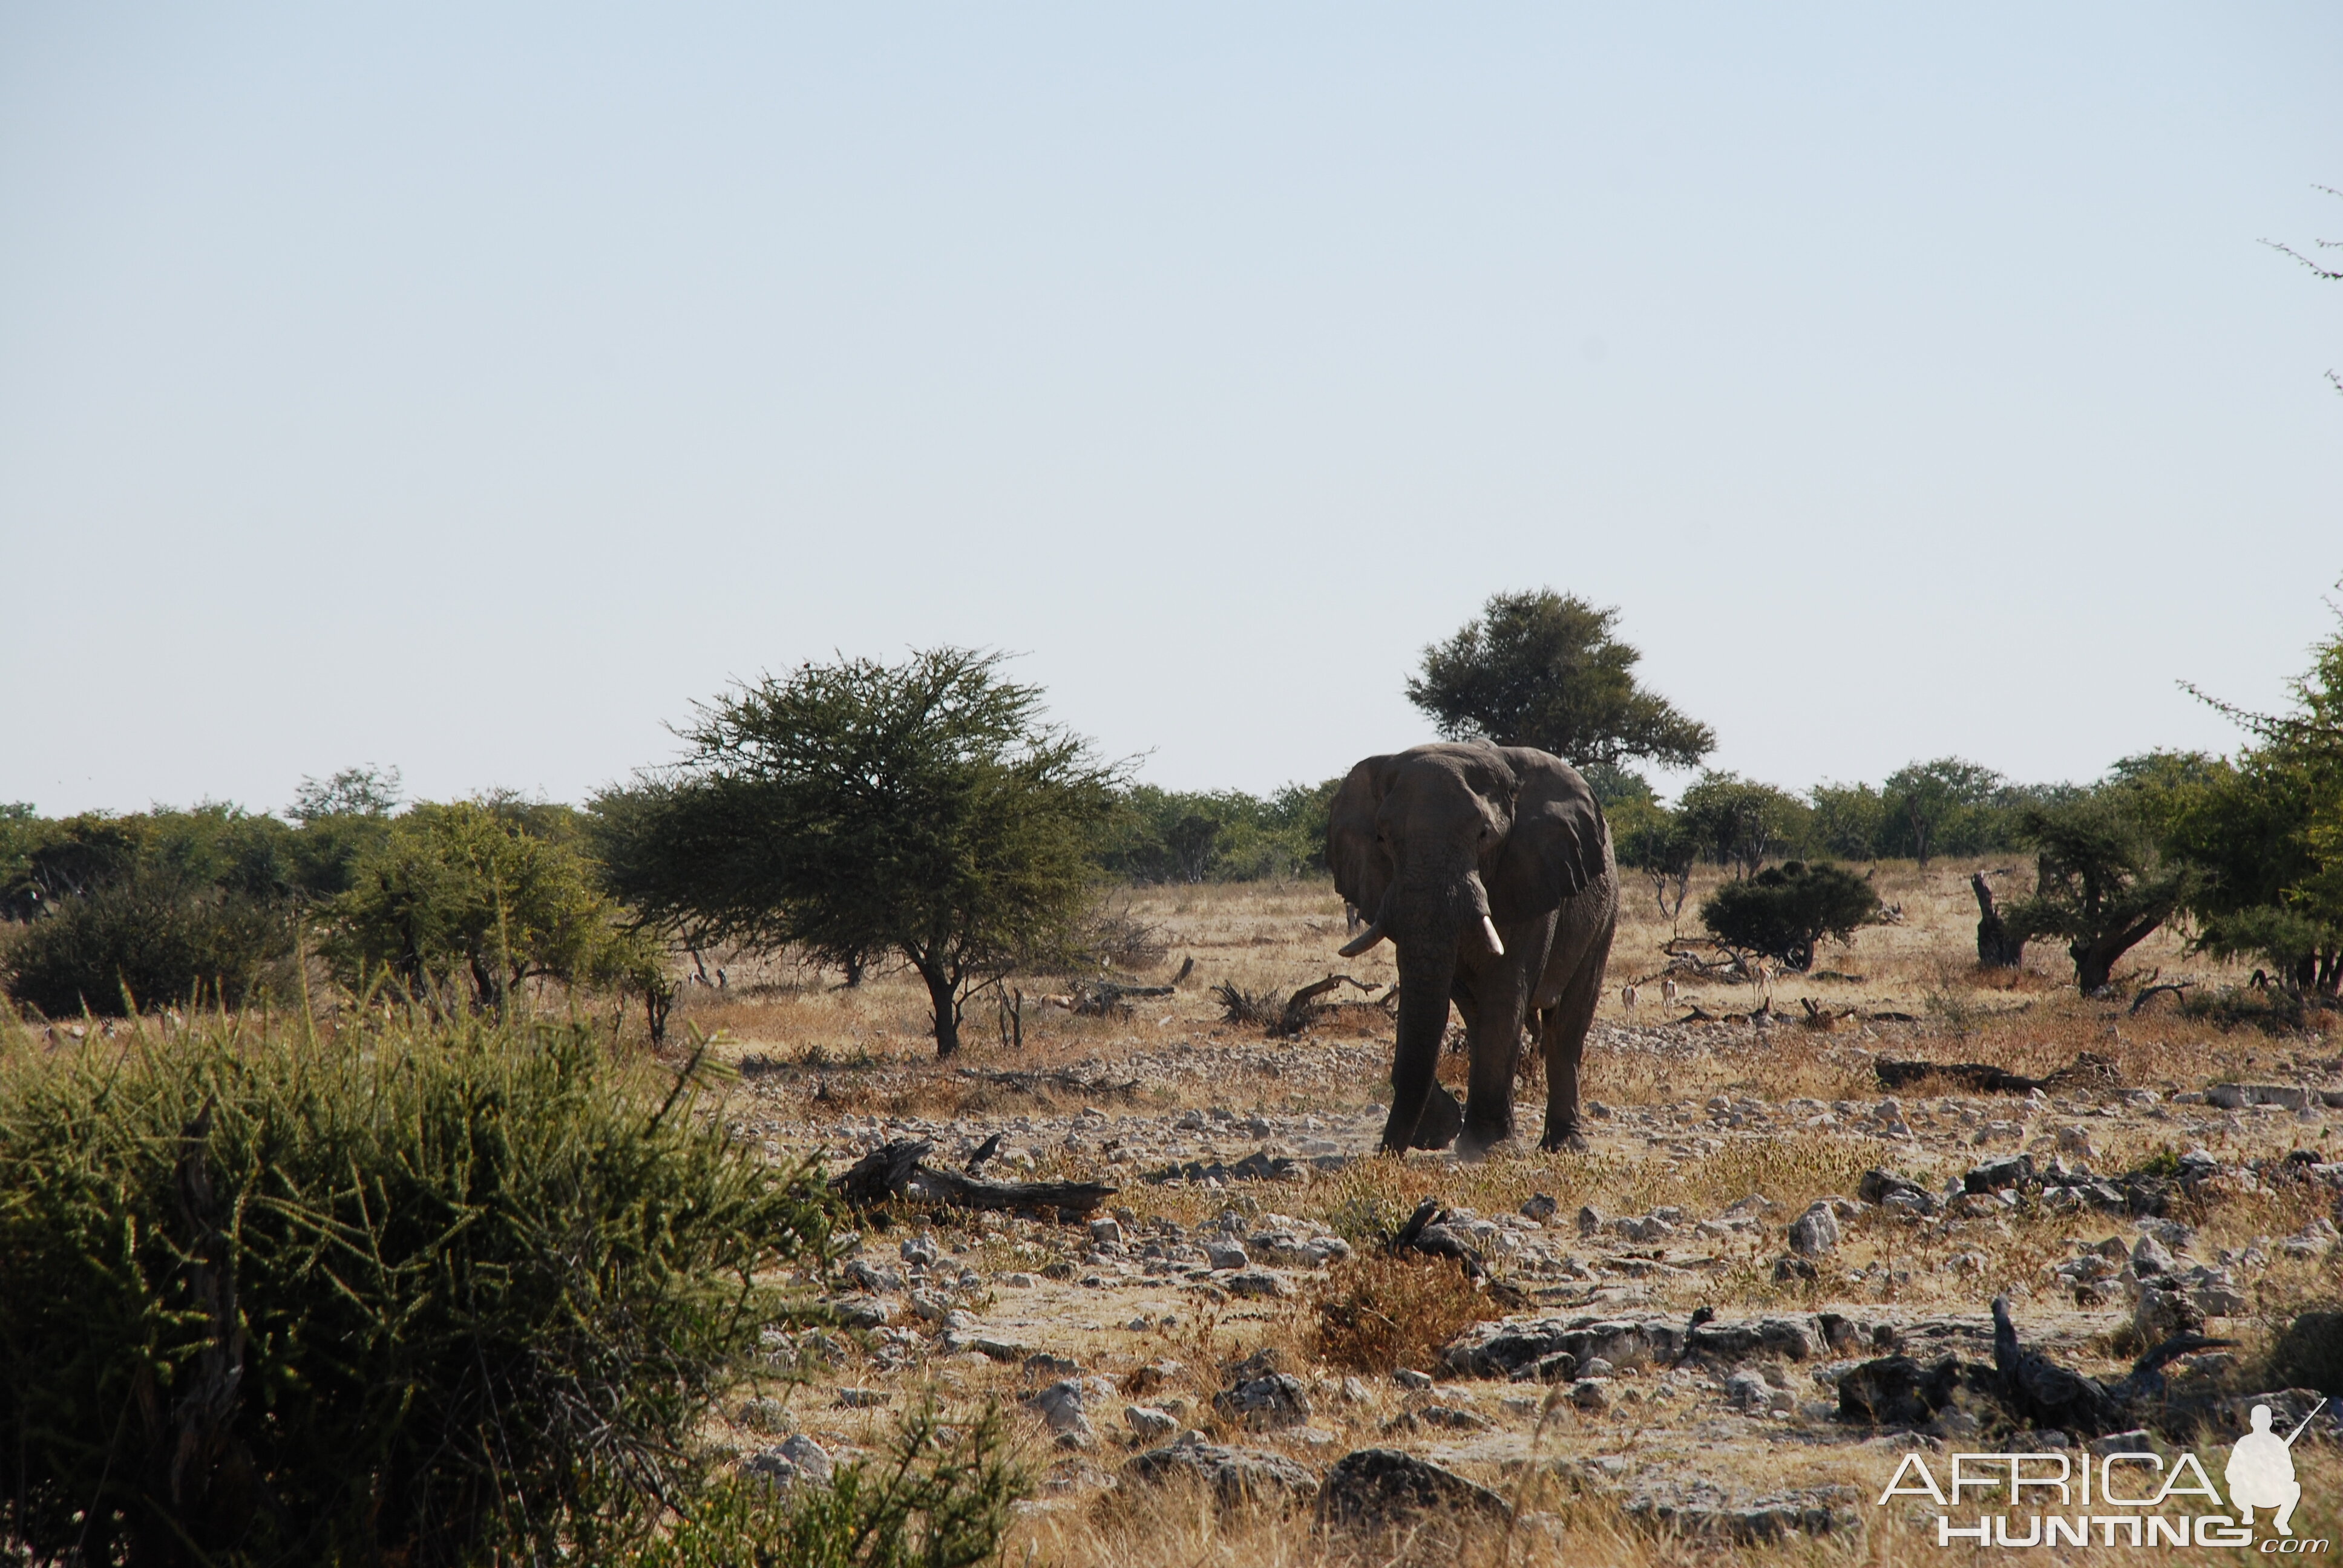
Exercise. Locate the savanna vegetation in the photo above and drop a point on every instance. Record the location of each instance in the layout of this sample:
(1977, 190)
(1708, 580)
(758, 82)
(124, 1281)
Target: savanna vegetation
(357, 1204)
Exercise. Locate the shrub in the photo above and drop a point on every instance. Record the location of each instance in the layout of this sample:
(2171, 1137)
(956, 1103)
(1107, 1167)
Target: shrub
(404, 1298)
(939, 1498)
(1784, 910)
(153, 937)
(1377, 1313)
(494, 890)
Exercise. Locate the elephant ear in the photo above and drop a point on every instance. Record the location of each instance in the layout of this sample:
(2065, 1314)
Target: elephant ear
(1559, 844)
(1362, 873)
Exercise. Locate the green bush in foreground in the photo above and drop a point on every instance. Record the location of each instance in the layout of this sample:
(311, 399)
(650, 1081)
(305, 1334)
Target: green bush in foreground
(939, 1498)
(405, 1296)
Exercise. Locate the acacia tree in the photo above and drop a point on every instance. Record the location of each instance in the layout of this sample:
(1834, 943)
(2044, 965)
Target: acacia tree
(2102, 880)
(1544, 670)
(857, 808)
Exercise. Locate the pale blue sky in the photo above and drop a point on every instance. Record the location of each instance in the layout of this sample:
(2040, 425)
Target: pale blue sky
(472, 388)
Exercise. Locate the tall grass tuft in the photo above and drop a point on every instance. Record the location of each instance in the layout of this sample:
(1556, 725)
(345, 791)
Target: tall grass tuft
(411, 1296)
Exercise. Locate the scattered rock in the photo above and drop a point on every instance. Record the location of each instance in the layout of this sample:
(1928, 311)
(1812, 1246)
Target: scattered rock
(1889, 1190)
(2162, 1313)
(1559, 1367)
(863, 1312)
(1896, 1390)
(1063, 1405)
(1239, 1477)
(1151, 1424)
(2285, 1096)
(798, 1459)
(1382, 1489)
(1270, 1399)
(1590, 1394)
(1731, 1343)
(1409, 1379)
(1590, 1220)
(1541, 1206)
(1225, 1255)
(1744, 1526)
(1999, 1175)
(1257, 1284)
(1502, 1348)
(1447, 1418)
(1815, 1232)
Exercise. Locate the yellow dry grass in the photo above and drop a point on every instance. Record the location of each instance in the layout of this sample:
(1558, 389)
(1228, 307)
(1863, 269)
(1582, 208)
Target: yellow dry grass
(812, 1056)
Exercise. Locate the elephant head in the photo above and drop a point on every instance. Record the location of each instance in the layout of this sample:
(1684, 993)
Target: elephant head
(1464, 857)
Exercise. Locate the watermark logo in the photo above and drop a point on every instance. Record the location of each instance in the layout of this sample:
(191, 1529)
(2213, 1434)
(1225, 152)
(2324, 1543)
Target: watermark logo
(2260, 1472)
(2129, 1499)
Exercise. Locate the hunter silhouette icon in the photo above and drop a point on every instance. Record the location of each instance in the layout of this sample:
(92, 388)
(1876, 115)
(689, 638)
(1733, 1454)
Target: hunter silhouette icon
(2260, 1472)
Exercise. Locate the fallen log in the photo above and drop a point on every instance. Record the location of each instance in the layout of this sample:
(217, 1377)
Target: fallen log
(897, 1169)
(1104, 998)
(1984, 1078)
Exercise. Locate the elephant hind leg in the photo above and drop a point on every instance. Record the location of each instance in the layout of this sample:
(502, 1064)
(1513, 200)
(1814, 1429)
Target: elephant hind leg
(1562, 1036)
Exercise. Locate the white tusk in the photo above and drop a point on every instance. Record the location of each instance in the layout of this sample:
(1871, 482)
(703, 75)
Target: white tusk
(1489, 931)
(1362, 942)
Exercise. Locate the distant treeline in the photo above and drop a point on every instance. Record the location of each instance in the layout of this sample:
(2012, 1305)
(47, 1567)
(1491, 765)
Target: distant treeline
(1218, 836)
(1947, 806)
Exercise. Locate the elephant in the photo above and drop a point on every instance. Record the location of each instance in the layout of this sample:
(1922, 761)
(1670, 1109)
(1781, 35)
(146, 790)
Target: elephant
(1490, 869)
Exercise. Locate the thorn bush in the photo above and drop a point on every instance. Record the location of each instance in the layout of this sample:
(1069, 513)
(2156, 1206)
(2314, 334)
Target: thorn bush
(413, 1294)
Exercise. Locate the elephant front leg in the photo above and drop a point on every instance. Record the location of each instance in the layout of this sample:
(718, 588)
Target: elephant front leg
(1495, 1036)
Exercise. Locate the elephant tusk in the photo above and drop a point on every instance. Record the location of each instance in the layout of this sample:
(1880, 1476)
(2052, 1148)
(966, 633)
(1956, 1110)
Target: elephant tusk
(1489, 934)
(1363, 941)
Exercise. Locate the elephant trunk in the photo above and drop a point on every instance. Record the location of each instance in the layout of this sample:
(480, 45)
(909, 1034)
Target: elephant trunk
(1428, 925)
(1424, 980)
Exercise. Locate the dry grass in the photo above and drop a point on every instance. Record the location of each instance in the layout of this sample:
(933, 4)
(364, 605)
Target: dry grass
(1377, 1313)
(819, 1064)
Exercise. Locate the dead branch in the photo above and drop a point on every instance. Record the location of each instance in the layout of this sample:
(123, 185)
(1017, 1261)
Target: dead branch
(1297, 1012)
(897, 1169)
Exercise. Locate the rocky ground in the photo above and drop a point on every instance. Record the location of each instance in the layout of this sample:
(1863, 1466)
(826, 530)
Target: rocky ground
(1669, 1325)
